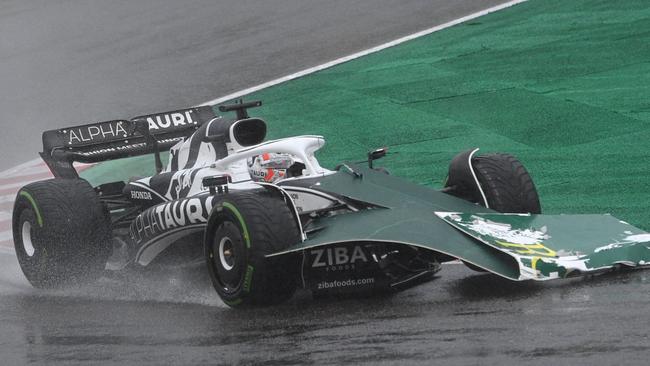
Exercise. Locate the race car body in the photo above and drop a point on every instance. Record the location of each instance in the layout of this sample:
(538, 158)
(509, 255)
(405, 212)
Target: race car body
(266, 218)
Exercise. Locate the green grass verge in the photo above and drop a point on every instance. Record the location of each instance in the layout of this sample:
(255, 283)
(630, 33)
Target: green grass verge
(564, 85)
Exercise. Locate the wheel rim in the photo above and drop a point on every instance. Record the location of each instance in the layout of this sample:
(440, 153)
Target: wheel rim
(27, 239)
(227, 260)
(226, 253)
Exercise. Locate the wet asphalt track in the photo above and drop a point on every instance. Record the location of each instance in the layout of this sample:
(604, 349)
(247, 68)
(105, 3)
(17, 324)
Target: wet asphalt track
(75, 61)
(459, 318)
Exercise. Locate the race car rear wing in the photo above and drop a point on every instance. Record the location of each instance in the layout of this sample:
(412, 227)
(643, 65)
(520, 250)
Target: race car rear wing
(96, 142)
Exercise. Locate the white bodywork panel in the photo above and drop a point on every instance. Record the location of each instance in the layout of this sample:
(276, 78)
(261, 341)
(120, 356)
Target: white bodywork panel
(235, 164)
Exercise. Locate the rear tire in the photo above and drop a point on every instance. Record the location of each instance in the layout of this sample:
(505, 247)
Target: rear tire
(61, 233)
(243, 228)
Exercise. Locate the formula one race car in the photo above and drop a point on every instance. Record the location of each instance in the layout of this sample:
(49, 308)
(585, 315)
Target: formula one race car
(266, 218)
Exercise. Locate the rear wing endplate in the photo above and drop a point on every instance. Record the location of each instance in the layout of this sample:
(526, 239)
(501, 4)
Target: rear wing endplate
(96, 142)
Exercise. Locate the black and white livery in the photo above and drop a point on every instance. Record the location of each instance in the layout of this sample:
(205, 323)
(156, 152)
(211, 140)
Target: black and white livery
(252, 211)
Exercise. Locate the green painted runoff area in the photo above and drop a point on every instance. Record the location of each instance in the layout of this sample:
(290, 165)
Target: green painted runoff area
(563, 85)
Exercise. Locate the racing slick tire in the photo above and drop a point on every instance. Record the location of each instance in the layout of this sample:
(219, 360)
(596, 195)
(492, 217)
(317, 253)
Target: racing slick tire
(243, 228)
(61, 233)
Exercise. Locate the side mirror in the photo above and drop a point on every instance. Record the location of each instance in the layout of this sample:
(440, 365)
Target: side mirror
(376, 154)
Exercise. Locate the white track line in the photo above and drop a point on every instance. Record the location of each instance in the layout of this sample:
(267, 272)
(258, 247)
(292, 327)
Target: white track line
(353, 56)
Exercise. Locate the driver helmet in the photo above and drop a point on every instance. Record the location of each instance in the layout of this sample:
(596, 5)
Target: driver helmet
(271, 167)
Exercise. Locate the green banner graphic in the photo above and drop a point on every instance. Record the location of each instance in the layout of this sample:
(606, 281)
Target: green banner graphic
(557, 246)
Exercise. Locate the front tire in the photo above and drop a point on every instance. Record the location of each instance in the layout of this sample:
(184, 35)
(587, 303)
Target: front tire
(243, 228)
(61, 233)
(507, 185)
